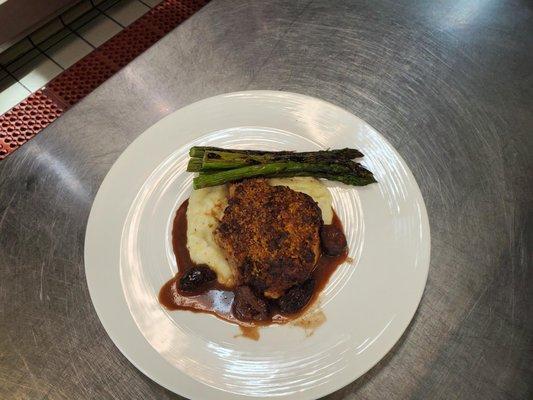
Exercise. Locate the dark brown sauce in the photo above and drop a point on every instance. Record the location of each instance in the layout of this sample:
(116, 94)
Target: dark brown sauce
(217, 300)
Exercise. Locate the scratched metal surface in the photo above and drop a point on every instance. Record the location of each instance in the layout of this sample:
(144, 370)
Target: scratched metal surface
(449, 83)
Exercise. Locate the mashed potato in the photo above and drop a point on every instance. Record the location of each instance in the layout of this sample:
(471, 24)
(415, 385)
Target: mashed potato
(206, 207)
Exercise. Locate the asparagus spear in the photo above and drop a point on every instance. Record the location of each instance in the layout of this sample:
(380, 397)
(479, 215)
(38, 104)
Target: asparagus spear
(198, 151)
(214, 159)
(346, 153)
(290, 168)
(194, 165)
(218, 159)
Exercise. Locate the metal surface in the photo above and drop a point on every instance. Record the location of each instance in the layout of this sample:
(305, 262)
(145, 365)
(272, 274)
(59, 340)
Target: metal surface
(449, 83)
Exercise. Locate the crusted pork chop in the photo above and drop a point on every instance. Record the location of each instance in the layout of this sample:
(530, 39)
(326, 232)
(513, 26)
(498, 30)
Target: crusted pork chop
(270, 235)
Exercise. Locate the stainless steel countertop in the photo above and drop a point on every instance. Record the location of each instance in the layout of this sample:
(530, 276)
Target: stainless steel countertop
(449, 83)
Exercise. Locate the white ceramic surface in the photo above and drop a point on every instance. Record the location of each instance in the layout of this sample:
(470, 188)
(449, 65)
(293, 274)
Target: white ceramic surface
(368, 303)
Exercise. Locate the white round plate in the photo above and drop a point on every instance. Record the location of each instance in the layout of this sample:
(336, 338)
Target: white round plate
(368, 302)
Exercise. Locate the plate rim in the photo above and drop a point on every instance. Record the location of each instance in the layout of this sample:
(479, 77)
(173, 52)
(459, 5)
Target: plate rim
(320, 391)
